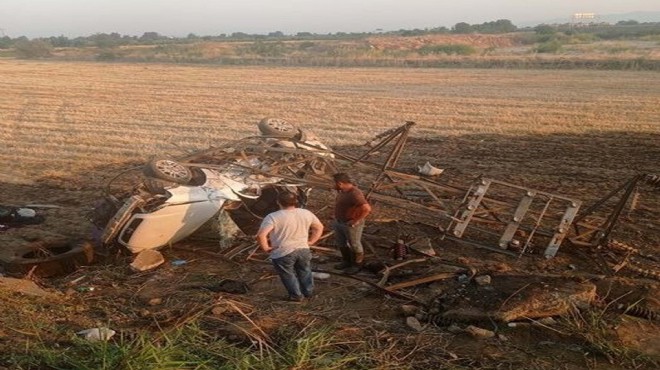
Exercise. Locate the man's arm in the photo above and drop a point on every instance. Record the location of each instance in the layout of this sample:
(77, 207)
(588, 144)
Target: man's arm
(361, 212)
(317, 230)
(262, 238)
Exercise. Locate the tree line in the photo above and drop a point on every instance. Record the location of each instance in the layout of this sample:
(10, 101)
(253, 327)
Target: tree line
(105, 40)
(41, 47)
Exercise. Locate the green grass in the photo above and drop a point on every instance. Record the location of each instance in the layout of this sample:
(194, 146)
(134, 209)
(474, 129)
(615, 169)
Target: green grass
(191, 347)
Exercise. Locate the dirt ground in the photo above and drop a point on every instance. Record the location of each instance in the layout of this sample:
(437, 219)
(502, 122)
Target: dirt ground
(577, 166)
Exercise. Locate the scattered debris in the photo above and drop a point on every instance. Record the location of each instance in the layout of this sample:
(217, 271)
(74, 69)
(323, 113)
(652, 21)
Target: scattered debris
(409, 310)
(482, 280)
(423, 246)
(479, 332)
(516, 297)
(455, 329)
(428, 170)
(399, 250)
(413, 323)
(225, 285)
(18, 216)
(147, 259)
(321, 275)
(97, 334)
(23, 286)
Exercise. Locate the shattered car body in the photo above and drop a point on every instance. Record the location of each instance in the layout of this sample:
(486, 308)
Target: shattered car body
(173, 198)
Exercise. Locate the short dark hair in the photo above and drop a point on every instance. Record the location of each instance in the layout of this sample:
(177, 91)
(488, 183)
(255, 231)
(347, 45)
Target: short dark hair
(342, 177)
(287, 199)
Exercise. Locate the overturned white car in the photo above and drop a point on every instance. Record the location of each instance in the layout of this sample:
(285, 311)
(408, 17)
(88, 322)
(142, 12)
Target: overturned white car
(177, 196)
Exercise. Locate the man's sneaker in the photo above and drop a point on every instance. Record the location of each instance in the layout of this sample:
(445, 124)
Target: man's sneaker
(353, 269)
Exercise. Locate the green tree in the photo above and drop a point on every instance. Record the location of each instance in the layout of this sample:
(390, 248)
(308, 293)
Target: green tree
(240, 35)
(462, 27)
(504, 26)
(104, 40)
(59, 41)
(34, 49)
(544, 29)
(5, 42)
(150, 37)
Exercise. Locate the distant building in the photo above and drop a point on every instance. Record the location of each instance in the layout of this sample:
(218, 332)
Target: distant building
(584, 19)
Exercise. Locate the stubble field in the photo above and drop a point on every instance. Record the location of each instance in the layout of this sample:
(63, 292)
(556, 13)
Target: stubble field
(59, 118)
(65, 127)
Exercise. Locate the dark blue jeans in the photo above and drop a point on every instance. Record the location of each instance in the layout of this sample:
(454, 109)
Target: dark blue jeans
(295, 271)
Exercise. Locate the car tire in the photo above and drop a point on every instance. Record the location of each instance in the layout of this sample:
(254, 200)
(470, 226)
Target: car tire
(168, 170)
(277, 127)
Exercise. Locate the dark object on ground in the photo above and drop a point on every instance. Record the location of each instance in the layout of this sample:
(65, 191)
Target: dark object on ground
(228, 286)
(50, 258)
(17, 216)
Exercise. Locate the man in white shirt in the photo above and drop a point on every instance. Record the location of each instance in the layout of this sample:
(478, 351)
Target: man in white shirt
(285, 234)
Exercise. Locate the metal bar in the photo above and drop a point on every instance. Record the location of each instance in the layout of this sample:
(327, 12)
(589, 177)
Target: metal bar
(602, 201)
(536, 226)
(441, 203)
(518, 216)
(381, 144)
(562, 229)
(472, 205)
(477, 245)
(394, 155)
(538, 193)
(614, 217)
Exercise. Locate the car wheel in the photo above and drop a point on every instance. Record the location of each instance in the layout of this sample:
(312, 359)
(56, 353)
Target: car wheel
(168, 170)
(277, 127)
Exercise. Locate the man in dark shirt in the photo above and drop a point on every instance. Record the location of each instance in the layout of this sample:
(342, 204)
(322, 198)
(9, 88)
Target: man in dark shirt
(351, 208)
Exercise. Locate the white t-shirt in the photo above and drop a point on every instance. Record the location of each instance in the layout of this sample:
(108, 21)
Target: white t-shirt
(290, 230)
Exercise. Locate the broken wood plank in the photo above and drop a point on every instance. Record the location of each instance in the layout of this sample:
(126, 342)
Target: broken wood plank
(427, 279)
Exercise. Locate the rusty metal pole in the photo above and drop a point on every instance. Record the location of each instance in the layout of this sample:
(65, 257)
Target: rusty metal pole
(395, 154)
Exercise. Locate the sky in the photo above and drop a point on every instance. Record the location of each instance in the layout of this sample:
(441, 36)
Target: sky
(72, 18)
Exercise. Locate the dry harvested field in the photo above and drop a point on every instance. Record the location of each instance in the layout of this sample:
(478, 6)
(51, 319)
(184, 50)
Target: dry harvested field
(59, 118)
(64, 127)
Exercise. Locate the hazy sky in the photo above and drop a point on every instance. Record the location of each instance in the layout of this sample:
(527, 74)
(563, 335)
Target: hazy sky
(36, 18)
